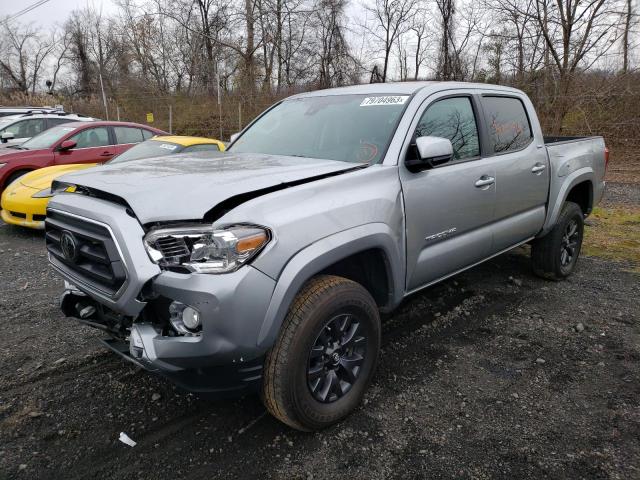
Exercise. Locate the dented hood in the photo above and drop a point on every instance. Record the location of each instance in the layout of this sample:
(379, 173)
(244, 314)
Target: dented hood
(187, 186)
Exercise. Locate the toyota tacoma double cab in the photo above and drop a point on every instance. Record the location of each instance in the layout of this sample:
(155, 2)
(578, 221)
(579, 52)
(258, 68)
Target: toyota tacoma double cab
(265, 268)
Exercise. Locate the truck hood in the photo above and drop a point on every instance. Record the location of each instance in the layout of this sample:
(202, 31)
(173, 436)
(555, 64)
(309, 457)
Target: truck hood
(187, 186)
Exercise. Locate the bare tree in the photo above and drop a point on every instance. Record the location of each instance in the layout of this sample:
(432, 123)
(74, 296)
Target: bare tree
(61, 39)
(577, 33)
(626, 34)
(23, 52)
(334, 58)
(421, 32)
(446, 59)
(392, 18)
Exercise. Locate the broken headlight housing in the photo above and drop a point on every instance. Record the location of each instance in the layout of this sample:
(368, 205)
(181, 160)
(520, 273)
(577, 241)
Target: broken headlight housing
(204, 249)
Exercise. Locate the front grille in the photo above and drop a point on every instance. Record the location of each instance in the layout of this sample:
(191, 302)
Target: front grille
(18, 214)
(95, 262)
(39, 218)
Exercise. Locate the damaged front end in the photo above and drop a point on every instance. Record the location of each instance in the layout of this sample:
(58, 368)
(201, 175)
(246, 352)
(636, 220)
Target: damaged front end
(200, 330)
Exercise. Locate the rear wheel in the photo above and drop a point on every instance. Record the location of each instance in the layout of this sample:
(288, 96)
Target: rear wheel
(325, 356)
(555, 255)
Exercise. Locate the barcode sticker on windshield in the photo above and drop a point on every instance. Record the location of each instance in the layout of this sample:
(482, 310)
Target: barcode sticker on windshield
(168, 146)
(386, 100)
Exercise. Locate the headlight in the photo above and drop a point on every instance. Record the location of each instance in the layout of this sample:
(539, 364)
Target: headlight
(2, 164)
(203, 249)
(46, 193)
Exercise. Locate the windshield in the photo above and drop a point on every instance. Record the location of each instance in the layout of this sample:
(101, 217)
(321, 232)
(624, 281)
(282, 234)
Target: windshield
(47, 139)
(4, 122)
(348, 128)
(150, 148)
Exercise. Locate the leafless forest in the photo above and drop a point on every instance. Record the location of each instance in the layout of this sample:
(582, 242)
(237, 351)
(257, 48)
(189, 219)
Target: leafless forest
(215, 64)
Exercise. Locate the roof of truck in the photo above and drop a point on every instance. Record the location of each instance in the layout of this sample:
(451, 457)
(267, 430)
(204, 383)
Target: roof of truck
(399, 88)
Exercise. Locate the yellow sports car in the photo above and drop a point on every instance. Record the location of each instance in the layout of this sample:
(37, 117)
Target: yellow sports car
(24, 202)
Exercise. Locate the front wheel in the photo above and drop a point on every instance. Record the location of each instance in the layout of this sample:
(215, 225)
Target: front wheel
(325, 356)
(555, 255)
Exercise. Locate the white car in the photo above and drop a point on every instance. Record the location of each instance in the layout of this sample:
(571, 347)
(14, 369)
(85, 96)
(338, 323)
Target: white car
(16, 129)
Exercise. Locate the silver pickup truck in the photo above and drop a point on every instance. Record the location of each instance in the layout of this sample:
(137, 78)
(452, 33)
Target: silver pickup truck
(265, 268)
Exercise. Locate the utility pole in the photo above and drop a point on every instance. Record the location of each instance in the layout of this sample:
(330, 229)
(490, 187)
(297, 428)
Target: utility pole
(104, 98)
(219, 102)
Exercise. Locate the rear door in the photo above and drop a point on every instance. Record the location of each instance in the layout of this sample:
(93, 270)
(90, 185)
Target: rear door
(93, 145)
(522, 170)
(448, 208)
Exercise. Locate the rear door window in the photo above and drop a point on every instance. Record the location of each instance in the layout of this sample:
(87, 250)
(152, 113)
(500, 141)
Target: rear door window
(147, 134)
(92, 137)
(507, 123)
(128, 135)
(205, 147)
(452, 118)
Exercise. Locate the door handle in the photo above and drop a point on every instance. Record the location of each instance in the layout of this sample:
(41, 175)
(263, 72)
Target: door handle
(538, 168)
(484, 181)
(106, 154)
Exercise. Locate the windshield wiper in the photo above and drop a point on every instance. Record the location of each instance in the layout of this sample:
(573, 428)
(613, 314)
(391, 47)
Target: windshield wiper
(17, 147)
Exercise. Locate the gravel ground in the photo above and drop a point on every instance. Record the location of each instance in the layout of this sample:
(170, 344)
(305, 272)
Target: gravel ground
(492, 374)
(622, 194)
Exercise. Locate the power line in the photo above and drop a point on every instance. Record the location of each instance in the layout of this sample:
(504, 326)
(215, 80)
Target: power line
(33, 6)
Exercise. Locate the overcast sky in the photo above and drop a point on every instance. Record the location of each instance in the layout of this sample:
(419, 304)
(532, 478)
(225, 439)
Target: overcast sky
(54, 11)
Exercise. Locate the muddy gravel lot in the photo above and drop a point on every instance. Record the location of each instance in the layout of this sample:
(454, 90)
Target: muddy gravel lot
(492, 374)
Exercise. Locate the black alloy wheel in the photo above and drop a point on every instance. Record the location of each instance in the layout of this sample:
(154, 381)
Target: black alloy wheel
(569, 243)
(555, 255)
(336, 358)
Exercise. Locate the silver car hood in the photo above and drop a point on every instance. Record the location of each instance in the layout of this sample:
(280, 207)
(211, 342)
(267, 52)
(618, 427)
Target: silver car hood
(187, 186)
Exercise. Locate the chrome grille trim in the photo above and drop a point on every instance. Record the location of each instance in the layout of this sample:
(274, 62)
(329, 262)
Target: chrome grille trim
(70, 273)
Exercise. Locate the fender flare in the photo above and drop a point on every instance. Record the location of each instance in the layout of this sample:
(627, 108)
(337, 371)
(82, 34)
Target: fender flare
(323, 253)
(579, 176)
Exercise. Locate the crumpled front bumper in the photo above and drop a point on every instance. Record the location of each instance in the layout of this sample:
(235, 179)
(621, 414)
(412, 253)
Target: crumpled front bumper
(224, 356)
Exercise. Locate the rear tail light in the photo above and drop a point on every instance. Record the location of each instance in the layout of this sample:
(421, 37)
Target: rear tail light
(606, 158)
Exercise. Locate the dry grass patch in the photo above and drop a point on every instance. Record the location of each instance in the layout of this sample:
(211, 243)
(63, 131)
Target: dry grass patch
(614, 233)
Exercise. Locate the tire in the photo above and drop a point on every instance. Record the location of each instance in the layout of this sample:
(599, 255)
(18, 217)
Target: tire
(555, 255)
(306, 384)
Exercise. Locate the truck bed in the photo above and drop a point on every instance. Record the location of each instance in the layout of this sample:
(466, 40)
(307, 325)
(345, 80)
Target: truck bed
(549, 140)
(573, 160)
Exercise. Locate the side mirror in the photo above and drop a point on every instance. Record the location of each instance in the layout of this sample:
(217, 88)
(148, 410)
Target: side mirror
(233, 137)
(6, 136)
(67, 145)
(433, 151)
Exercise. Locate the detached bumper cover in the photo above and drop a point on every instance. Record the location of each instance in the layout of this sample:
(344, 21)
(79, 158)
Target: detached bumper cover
(221, 381)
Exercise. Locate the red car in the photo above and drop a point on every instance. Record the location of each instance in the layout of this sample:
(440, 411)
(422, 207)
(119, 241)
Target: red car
(76, 142)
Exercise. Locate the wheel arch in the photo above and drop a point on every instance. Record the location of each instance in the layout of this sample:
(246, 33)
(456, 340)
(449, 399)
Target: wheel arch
(582, 194)
(374, 245)
(19, 169)
(577, 187)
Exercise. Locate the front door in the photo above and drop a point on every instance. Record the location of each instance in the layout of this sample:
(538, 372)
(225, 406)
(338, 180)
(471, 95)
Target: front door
(448, 208)
(92, 146)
